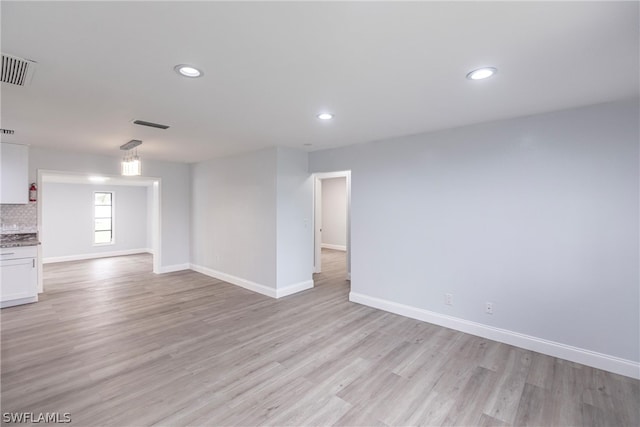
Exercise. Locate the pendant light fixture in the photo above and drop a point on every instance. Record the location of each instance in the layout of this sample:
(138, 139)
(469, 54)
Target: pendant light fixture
(131, 165)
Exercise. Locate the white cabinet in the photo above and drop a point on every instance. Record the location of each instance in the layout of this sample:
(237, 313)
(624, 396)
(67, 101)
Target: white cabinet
(14, 173)
(18, 276)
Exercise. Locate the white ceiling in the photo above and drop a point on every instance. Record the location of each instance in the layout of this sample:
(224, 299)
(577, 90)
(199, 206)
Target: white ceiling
(384, 69)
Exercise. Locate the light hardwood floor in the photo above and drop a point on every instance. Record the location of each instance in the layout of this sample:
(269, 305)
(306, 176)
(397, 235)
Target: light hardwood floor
(113, 344)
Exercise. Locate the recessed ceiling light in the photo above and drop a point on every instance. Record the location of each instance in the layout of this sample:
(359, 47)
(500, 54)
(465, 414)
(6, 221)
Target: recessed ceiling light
(325, 116)
(482, 73)
(188, 70)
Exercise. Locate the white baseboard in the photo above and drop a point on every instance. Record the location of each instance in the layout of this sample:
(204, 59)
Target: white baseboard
(18, 301)
(80, 257)
(334, 247)
(579, 355)
(295, 288)
(253, 286)
(238, 281)
(174, 267)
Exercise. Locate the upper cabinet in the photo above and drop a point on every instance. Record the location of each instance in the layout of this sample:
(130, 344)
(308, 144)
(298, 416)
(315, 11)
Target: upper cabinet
(14, 173)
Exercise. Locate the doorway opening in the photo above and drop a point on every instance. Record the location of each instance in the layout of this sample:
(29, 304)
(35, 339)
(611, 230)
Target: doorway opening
(68, 218)
(332, 218)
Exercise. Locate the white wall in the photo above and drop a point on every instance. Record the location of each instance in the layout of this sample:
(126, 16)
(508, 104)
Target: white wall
(334, 213)
(251, 220)
(67, 219)
(149, 218)
(234, 218)
(174, 198)
(538, 215)
(294, 221)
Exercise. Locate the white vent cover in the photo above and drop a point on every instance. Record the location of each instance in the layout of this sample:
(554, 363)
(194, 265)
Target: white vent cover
(17, 71)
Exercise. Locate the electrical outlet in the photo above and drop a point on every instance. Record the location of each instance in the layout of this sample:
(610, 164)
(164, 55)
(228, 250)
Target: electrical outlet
(488, 308)
(448, 299)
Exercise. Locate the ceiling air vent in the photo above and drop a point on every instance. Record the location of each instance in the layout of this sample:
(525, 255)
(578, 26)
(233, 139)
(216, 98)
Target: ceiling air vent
(131, 144)
(17, 71)
(150, 124)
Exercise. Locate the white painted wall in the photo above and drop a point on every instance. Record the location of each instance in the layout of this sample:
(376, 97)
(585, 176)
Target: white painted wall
(234, 218)
(174, 197)
(149, 220)
(67, 219)
(294, 221)
(334, 213)
(538, 215)
(251, 220)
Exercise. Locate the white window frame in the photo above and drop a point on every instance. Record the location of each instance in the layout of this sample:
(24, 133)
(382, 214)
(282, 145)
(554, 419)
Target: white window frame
(113, 219)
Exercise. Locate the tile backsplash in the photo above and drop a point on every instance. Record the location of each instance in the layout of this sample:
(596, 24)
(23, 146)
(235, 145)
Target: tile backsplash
(19, 218)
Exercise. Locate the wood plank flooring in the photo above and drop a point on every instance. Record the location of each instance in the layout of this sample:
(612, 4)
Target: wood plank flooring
(115, 345)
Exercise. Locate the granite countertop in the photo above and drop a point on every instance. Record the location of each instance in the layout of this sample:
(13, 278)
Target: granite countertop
(20, 239)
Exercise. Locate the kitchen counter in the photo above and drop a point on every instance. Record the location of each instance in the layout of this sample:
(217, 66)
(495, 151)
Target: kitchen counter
(18, 240)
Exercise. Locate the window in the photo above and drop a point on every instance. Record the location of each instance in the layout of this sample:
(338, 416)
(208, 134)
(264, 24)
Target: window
(103, 217)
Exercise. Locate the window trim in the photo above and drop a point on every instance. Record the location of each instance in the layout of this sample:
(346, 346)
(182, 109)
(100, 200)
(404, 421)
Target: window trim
(113, 219)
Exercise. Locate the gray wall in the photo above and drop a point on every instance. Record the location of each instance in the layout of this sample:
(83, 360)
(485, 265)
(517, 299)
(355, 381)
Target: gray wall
(251, 217)
(175, 192)
(537, 214)
(234, 216)
(334, 211)
(294, 218)
(67, 219)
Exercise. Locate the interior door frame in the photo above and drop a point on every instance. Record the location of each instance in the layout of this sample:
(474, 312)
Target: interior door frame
(152, 184)
(317, 217)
